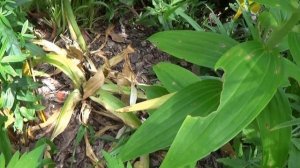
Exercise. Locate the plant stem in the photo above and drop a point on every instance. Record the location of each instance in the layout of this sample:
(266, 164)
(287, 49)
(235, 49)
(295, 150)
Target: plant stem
(280, 33)
(71, 19)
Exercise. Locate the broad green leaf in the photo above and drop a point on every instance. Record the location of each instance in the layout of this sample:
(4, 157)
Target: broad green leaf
(288, 5)
(252, 76)
(293, 40)
(201, 48)
(112, 161)
(277, 111)
(14, 160)
(154, 91)
(13, 58)
(111, 103)
(31, 159)
(67, 66)
(66, 113)
(159, 130)
(174, 77)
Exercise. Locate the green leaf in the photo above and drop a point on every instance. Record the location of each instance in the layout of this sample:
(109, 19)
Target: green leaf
(67, 66)
(201, 48)
(24, 27)
(31, 159)
(2, 161)
(246, 67)
(277, 111)
(293, 161)
(13, 58)
(290, 69)
(111, 161)
(159, 130)
(234, 162)
(34, 49)
(111, 103)
(293, 40)
(154, 91)
(288, 5)
(174, 77)
(5, 146)
(13, 161)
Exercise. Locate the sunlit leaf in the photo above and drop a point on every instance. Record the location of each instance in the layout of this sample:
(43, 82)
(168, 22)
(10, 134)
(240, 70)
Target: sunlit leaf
(168, 118)
(111, 103)
(67, 66)
(201, 48)
(147, 105)
(246, 66)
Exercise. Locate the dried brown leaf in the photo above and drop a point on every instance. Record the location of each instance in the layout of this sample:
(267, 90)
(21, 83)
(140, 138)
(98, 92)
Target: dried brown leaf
(90, 153)
(93, 84)
(74, 51)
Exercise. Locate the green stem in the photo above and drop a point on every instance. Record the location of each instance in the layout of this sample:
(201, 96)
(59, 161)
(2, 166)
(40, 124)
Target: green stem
(71, 18)
(280, 33)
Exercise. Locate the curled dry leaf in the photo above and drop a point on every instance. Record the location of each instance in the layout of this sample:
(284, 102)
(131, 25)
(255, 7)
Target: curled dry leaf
(74, 51)
(93, 84)
(90, 153)
(51, 47)
(85, 113)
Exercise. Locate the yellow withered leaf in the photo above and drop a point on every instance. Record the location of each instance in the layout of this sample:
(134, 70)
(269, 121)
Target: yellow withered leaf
(66, 113)
(147, 105)
(51, 47)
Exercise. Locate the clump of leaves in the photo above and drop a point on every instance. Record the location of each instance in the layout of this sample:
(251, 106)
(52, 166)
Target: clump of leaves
(207, 112)
(18, 100)
(168, 14)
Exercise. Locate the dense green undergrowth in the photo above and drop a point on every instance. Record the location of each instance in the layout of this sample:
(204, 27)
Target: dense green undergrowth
(246, 96)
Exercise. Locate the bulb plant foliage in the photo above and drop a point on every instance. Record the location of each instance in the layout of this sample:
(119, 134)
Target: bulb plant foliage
(255, 100)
